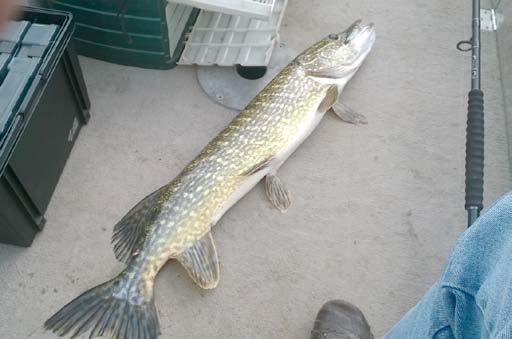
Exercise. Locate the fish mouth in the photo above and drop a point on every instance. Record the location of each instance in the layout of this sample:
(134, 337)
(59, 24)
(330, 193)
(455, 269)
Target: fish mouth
(356, 25)
(361, 36)
(358, 28)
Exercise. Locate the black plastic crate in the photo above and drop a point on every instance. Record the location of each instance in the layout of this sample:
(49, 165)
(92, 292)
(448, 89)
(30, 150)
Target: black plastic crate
(46, 114)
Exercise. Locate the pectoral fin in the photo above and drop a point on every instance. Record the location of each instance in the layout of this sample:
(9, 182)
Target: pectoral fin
(331, 96)
(328, 73)
(277, 192)
(347, 114)
(258, 167)
(202, 263)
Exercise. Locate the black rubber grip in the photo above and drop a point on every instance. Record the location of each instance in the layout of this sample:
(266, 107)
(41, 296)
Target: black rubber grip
(475, 150)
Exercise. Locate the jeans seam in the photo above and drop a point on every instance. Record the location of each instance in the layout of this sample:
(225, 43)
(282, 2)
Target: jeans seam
(433, 334)
(471, 294)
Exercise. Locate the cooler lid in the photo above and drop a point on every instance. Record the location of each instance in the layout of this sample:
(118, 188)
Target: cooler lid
(259, 9)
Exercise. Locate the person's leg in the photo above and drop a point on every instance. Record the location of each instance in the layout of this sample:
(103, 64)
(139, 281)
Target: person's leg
(473, 297)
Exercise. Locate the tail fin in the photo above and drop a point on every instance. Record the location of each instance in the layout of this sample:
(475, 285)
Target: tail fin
(110, 314)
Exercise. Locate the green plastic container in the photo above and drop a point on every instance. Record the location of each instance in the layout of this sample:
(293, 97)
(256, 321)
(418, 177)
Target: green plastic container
(148, 33)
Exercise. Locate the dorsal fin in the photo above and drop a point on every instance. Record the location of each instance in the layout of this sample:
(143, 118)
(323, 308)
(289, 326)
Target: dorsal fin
(201, 262)
(129, 233)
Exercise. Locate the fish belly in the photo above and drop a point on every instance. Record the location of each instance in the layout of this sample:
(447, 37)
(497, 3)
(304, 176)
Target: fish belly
(251, 181)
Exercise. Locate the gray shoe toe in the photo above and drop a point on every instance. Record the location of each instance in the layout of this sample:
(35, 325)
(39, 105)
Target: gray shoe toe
(338, 319)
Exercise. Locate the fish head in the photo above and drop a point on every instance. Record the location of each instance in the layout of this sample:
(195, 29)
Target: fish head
(338, 56)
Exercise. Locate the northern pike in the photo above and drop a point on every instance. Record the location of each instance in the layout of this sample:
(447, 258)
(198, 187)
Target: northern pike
(174, 222)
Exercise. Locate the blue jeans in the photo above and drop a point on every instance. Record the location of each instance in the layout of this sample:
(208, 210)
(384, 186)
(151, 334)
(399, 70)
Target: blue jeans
(473, 297)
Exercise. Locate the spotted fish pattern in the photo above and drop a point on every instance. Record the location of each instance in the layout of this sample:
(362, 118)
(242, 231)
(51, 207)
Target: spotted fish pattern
(174, 222)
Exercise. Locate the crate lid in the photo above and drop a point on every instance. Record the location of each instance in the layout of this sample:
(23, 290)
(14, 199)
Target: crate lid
(258, 9)
(11, 36)
(20, 73)
(36, 40)
(23, 45)
(45, 66)
(4, 62)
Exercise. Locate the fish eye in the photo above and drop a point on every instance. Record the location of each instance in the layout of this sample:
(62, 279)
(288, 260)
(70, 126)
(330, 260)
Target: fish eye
(333, 36)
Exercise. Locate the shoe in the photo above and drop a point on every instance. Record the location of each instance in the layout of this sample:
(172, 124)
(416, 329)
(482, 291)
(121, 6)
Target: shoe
(339, 319)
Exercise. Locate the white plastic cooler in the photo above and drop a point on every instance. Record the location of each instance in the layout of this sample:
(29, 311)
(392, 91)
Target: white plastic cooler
(231, 32)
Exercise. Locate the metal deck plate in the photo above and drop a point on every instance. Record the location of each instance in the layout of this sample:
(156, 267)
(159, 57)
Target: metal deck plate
(224, 86)
(490, 19)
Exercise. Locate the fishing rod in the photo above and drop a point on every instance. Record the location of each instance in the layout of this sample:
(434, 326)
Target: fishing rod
(475, 125)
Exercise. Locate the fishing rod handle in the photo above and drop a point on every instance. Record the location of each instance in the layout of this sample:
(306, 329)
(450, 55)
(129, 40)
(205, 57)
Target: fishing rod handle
(475, 150)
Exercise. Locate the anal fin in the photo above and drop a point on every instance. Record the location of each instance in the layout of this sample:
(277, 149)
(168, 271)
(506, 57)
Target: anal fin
(201, 262)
